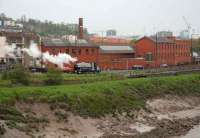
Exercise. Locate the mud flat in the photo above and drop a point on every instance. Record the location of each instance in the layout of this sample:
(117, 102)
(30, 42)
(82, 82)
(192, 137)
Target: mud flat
(193, 133)
(169, 117)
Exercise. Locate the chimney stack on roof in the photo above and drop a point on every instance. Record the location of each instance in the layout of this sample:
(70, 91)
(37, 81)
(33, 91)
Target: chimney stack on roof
(80, 35)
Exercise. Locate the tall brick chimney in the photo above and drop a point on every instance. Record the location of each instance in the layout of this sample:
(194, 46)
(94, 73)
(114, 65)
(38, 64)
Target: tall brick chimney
(80, 28)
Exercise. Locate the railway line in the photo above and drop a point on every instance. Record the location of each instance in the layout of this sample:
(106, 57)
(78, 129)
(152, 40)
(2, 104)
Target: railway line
(175, 70)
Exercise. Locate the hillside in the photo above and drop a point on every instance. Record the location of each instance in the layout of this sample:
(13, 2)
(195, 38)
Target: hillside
(45, 28)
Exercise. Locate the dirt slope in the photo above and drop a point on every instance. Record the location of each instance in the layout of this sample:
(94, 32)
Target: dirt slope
(167, 116)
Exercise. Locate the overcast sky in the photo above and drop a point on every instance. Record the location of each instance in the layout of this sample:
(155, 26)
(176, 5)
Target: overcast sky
(126, 16)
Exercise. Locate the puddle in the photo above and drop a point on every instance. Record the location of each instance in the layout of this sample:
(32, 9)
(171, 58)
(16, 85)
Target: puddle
(141, 127)
(193, 133)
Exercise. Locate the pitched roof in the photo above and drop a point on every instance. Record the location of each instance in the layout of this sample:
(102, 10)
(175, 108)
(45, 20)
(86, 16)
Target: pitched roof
(55, 42)
(64, 42)
(116, 49)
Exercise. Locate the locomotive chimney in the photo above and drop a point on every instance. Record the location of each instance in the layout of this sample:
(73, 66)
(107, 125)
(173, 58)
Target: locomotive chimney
(80, 26)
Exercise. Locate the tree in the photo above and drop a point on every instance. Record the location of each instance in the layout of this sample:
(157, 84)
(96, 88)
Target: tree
(18, 75)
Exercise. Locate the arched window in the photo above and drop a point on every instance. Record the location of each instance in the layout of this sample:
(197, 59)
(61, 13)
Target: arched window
(93, 51)
(87, 51)
(67, 51)
(79, 51)
(74, 51)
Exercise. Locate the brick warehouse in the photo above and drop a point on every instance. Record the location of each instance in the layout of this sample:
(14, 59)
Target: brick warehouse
(97, 40)
(157, 51)
(107, 57)
(146, 52)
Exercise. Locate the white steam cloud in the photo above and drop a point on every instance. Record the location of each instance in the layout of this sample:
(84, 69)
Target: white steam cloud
(59, 59)
(34, 52)
(5, 49)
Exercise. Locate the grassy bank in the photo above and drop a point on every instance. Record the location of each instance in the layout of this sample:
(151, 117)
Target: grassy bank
(99, 98)
(38, 79)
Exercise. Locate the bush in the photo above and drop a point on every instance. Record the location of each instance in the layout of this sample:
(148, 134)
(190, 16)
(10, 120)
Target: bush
(54, 77)
(18, 75)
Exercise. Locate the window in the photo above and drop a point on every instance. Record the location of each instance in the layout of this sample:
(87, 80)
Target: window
(149, 56)
(79, 51)
(93, 51)
(67, 51)
(74, 51)
(87, 51)
(53, 51)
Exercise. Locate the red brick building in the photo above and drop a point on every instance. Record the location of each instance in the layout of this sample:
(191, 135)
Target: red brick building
(157, 51)
(147, 52)
(107, 57)
(118, 58)
(83, 52)
(97, 40)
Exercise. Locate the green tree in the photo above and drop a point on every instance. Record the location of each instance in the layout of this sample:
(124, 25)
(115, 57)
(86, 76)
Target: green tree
(18, 75)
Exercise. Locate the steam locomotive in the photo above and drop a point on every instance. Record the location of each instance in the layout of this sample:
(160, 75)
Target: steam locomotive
(86, 68)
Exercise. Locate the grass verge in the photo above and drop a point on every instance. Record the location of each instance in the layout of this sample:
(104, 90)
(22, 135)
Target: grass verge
(100, 98)
(38, 79)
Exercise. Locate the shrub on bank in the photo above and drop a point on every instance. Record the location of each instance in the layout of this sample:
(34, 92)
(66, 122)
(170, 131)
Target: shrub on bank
(18, 75)
(54, 77)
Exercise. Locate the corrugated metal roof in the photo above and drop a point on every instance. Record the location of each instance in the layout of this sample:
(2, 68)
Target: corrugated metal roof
(64, 42)
(55, 42)
(116, 49)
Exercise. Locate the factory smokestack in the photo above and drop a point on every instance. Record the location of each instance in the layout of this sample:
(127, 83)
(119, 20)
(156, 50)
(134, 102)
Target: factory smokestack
(80, 26)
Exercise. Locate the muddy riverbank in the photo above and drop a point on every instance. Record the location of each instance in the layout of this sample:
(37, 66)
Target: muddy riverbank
(169, 117)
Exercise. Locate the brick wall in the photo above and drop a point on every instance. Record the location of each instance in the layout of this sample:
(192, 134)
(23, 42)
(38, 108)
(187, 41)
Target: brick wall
(177, 52)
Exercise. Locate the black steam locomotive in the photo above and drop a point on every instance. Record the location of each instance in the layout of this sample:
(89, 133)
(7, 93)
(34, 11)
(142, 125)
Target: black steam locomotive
(86, 68)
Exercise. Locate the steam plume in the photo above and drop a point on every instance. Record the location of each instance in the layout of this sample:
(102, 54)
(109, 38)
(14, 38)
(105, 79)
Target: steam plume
(5, 49)
(34, 52)
(59, 59)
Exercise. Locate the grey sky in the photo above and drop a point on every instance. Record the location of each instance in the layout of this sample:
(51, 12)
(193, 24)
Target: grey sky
(127, 16)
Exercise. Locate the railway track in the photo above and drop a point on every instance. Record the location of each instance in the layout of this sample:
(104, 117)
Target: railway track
(166, 71)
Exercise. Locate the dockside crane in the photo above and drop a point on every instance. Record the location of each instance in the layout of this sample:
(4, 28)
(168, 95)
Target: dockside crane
(188, 25)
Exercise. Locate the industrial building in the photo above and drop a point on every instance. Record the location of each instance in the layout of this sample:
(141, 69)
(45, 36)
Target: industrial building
(120, 55)
(21, 38)
(111, 32)
(159, 50)
(164, 34)
(98, 40)
(109, 53)
(107, 57)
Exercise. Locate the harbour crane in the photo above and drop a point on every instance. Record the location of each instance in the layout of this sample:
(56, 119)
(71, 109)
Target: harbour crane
(188, 25)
